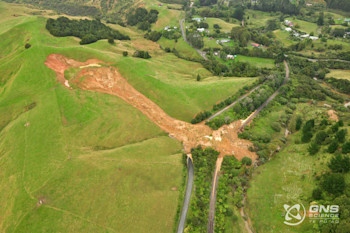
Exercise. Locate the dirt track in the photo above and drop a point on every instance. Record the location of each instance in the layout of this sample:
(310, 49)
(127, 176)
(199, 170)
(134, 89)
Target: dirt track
(108, 80)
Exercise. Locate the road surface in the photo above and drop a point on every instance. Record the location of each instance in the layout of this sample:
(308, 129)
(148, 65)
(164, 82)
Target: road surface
(251, 117)
(233, 104)
(185, 39)
(211, 215)
(181, 226)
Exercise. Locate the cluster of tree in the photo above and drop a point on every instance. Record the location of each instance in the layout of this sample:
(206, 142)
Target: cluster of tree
(325, 134)
(207, 2)
(195, 39)
(88, 31)
(141, 54)
(206, 114)
(284, 6)
(153, 35)
(342, 85)
(204, 165)
(339, 4)
(172, 34)
(64, 6)
(244, 35)
(230, 188)
(244, 108)
(238, 69)
(201, 117)
(142, 18)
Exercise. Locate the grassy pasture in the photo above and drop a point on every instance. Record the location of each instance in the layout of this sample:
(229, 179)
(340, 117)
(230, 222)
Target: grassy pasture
(305, 26)
(288, 178)
(225, 26)
(257, 61)
(75, 150)
(339, 74)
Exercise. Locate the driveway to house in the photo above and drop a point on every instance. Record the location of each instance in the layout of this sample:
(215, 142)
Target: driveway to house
(185, 39)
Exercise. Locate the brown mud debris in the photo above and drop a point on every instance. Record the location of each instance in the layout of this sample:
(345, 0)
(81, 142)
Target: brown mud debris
(108, 80)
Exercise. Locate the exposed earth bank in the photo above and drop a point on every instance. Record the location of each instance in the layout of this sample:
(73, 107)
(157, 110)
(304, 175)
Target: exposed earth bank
(108, 80)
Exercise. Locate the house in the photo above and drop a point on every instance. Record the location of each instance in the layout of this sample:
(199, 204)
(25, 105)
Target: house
(308, 4)
(305, 36)
(296, 34)
(225, 40)
(255, 45)
(216, 53)
(230, 57)
(288, 23)
(313, 37)
(346, 20)
(288, 29)
(200, 29)
(197, 19)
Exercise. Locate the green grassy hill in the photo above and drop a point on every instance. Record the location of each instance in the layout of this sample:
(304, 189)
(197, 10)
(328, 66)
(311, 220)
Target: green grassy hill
(80, 161)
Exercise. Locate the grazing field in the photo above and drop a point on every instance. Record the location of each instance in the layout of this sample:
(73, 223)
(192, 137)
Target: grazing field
(339, 74)
(283, 36)
(69, 160)
(257, 61)
(225, 26)
(260, 18)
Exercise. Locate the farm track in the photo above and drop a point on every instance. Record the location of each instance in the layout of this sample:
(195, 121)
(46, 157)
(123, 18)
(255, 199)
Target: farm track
(252, 116)
(233, 104)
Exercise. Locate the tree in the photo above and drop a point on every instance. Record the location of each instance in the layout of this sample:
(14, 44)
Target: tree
(320, 20)
(332, 147)
(247, 161)
(333, 183)
(340, 164)
(110, 40)
(306, 137)
(346, 148)
(153, 36)
(238, 13)
(317, 194)
(272, 25)
(298, 123)
(216, 26)
(125, 53)
(198, 78)
(340, 136)
(321, 137)
(313, 148)
(27, 45)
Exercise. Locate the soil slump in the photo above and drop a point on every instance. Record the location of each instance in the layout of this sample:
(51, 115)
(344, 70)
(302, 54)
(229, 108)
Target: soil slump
(108, 80)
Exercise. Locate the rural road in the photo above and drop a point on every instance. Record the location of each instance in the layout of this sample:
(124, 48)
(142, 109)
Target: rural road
(251, 117)
(181, 226)
(211, 216)
(233, 104)
(185, 39)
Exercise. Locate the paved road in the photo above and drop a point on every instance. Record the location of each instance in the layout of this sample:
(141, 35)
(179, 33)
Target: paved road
(233, 104)
(181, 226)
(185, 39)
(268, 100)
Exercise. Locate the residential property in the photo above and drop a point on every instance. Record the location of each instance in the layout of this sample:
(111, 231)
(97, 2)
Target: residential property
(256, 45)
(197, 19)
(313, 37)
(200, 29)
(346, 20)
(232, 57)
(305, 36)
(225, 40)
(288, 29)
(288, 23)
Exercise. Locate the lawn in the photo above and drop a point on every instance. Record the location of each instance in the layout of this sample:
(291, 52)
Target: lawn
(257, 61)
(259, 18)
(283, 36)
(305, 26)
(339, 74)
